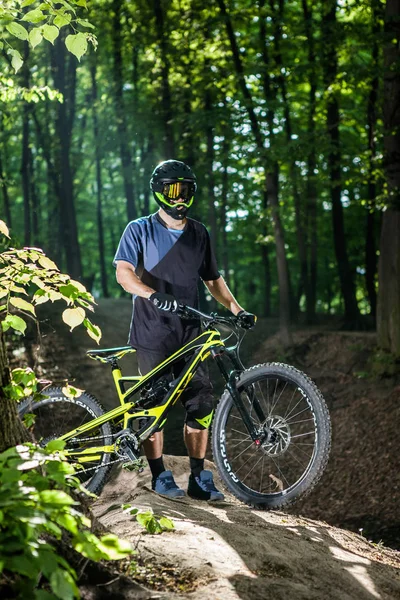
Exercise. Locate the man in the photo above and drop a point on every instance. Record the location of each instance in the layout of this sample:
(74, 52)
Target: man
(159, 260)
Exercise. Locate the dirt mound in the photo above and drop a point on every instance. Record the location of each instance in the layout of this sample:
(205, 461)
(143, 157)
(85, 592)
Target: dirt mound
(360, 489)
(230, 551)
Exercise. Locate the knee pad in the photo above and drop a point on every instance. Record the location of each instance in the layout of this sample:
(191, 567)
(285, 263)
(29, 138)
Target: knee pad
(199, 413)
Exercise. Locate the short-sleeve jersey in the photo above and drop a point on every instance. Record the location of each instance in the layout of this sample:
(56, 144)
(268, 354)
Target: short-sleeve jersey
(170, 261)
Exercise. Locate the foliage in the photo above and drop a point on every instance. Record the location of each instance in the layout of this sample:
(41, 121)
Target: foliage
(43, 21)
(35, 508)
(21, 271)
(153, 524)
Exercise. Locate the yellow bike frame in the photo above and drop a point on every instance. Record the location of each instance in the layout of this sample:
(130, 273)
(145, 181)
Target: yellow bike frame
(155, 417)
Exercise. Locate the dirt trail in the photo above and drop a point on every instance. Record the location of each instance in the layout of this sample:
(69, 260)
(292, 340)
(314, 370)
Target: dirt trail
(228, 551)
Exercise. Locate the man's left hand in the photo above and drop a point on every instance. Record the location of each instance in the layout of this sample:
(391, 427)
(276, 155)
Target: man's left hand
(246, 320)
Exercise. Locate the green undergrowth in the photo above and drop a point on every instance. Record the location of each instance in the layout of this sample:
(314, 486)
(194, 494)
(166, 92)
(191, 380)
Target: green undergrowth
(37, 514)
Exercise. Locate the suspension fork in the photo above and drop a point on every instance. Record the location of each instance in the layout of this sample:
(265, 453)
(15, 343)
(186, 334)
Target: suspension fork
(230, 379)
(251, 393)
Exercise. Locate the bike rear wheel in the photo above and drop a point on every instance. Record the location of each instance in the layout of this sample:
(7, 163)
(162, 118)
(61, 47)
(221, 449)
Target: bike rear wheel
(293, 425)
(58, 414)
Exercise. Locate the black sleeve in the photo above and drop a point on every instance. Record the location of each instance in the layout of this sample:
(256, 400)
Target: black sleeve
(208, 270)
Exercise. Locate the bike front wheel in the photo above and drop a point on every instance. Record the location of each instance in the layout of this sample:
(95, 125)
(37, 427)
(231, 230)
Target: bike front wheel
(56, 415)
(293, 427)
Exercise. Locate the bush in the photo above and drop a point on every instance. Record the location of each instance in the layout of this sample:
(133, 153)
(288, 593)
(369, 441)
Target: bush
(36, 510)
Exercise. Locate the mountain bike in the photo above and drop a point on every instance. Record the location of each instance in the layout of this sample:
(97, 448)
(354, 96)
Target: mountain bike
(270, 433)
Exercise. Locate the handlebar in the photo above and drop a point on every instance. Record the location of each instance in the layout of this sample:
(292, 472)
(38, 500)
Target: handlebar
(187, 312)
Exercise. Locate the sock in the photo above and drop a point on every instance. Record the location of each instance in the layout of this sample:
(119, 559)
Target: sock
(156, 466)
(196, 466)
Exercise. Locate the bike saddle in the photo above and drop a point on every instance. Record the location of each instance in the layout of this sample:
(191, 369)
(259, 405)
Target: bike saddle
(109, 354)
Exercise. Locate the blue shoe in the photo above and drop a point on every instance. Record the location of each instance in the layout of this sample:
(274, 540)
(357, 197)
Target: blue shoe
(165, 485)
(203, 487)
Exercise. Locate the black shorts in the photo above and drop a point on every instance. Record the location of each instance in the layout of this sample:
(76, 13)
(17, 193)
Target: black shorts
(197, 398)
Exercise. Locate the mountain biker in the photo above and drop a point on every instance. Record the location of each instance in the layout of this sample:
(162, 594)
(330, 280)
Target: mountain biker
(159, 260)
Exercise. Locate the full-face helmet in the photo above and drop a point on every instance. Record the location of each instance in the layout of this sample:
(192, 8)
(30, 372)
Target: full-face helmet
(173, 184)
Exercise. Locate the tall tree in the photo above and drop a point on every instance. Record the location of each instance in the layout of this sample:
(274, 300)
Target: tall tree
(125, 151)
(311, 294)
(388, 316)
(271, 179)
(99, 184)
(330, 64)
(64, 73)
(167, 116)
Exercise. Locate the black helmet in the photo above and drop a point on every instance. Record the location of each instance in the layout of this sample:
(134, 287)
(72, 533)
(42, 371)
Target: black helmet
(173, 184)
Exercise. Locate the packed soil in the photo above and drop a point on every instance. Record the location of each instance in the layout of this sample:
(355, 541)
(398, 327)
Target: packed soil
(232, 551)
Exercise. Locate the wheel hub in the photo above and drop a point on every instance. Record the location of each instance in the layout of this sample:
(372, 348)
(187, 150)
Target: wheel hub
(275, 436)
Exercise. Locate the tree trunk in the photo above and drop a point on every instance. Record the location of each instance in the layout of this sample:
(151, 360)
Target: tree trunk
(298, 206)
(99, 185)
(125, 152)
(6, 198)
(266, 266)
(311, 293)
(223, 211)
(64, 69)
(388, 314)
(12, 432)
(167, 116)
(330, 63)
(370, 246)
(25, 163)
(271, 186)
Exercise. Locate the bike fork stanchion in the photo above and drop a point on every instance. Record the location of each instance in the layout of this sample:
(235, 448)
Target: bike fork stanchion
(230, 379)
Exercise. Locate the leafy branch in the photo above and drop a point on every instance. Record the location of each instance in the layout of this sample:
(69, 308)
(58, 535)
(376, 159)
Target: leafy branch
(27, 268)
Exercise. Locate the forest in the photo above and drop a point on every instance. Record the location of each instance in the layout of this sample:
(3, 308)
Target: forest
(288, 113)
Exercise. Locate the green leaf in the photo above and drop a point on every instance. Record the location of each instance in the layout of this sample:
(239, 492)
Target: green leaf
(34, 16)
(85, 23)
(56, 498)
(166, 523)
(35, 37)
(50, 33)
(27, 3)
(73, 317)
(16, 60)
(15, 322)
(46, 263)
(17, 30)
(22, 304)
(77, 44)
(115, 548)
(4, 229)
(62, 20)
(55, 445)
(63, 585)
(92, 330)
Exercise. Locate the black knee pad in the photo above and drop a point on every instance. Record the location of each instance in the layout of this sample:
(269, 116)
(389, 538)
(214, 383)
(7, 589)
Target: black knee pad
(199, 412)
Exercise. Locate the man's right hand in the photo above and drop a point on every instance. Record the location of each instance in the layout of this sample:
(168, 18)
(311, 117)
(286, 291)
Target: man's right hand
(165, 302)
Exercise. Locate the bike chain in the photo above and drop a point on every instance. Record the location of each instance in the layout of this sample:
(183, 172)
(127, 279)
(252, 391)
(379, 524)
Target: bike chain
(112, 462)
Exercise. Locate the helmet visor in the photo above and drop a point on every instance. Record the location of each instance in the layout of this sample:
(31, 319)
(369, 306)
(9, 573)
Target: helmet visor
(179, 190)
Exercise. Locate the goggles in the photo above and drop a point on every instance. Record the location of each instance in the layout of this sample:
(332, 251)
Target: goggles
(179, 190)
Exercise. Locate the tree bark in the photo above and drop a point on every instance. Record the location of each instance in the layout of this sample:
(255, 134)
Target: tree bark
(6, 198)
(12, 432)
(303, 287)
(388, 313)
(25, 163)
(371, 261)
(64, 70)
(99, 185)
(311, 294)
(125, 152)
(167, 115)
(330, 63)
(271, 186)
